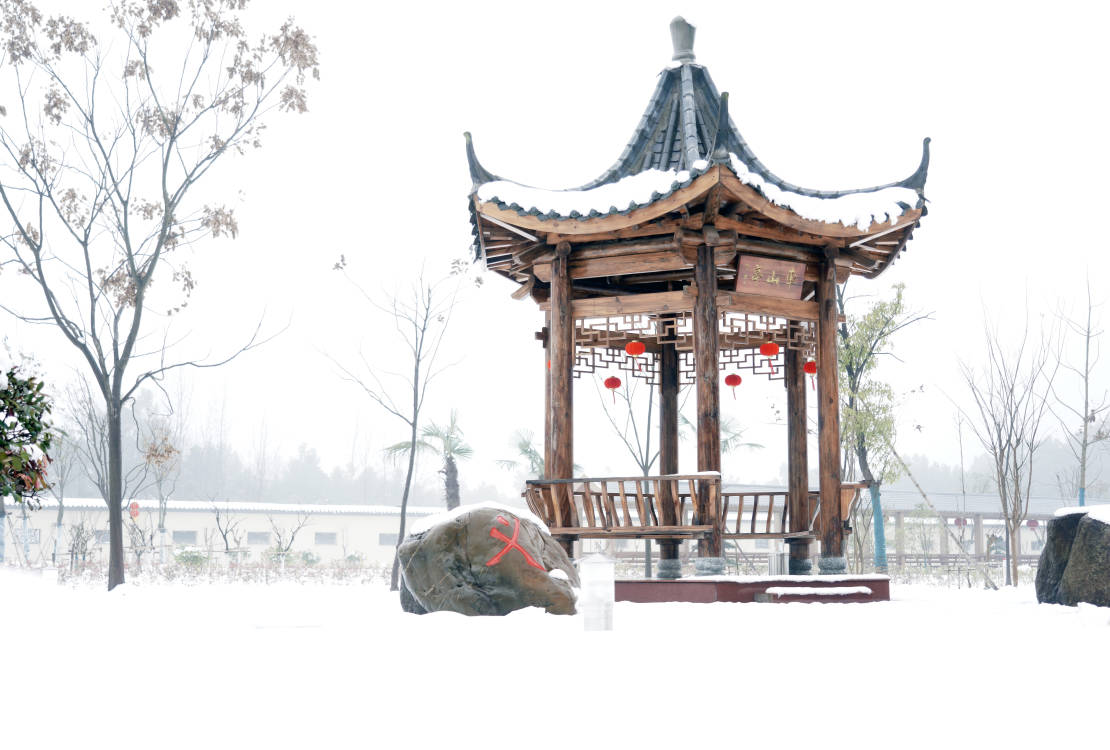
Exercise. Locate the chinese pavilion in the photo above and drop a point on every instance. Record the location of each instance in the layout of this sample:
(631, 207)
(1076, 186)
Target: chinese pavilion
(687, 257)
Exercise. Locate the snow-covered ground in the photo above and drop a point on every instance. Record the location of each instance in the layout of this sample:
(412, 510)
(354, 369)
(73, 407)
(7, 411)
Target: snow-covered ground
(333, 666)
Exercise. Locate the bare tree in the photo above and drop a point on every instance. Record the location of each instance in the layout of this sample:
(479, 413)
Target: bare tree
(1010, 394)
(421, 318)
(64, 462)
(142, 540)
(162, 458)
(107, 143)
(1093, 418)
(227, 525)
(81, 534)
(284, 536)
(92, 447)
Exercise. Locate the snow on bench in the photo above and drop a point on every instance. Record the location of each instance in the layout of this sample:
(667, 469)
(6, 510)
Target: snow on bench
(813, 591)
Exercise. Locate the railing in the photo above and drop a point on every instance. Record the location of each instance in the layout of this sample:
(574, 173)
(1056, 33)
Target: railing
(663, 506)
(645, 507)
(756, 514)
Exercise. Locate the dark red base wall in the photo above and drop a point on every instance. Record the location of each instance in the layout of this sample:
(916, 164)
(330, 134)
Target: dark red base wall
(715, 590)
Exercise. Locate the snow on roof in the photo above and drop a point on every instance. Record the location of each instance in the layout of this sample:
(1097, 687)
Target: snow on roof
(861, 209)
(624, 194)
(243, 506)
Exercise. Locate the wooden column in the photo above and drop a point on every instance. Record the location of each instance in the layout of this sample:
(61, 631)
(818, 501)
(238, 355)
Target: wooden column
(980, 543)
(668, 449)
(707, 376)
(828, 417)
(547, 396)
(561, 349)
(797, 459)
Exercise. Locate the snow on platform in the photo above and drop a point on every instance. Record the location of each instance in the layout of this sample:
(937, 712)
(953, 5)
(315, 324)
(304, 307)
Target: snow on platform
(330, 666)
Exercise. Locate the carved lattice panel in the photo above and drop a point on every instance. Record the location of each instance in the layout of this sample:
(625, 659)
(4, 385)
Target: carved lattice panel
(600, 343)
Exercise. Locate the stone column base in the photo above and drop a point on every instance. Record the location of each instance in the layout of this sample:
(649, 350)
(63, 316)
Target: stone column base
(669, 568)
(709, 566)
(832, 566)
(800, 566)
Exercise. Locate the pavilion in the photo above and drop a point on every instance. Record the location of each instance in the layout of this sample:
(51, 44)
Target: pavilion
(685, 258)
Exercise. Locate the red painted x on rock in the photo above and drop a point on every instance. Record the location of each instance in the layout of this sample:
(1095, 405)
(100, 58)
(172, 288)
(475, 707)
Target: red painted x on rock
(510, 544)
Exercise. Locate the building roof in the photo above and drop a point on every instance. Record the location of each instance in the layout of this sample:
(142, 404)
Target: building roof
(685, 132)
(243, 506)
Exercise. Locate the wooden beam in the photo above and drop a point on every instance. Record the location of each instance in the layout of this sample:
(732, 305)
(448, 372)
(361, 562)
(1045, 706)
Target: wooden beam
(828, 411)
(669, 260)
(756, 303)
(708, 392)
(657, 302)
(651, 229)
(771, 232)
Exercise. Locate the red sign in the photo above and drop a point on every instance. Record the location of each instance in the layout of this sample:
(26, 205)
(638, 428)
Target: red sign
(771, 278)
(510, 544)
(134, 507)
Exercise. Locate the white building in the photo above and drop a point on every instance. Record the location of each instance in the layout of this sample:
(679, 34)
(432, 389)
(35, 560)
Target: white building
(329, 532)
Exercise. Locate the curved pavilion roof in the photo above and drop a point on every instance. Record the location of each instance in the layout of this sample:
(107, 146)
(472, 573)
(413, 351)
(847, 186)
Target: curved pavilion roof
(684, 148)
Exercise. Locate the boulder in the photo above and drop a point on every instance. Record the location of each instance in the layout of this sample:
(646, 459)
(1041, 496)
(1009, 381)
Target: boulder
(485, 561)
(1054, 556)
(1087, 575)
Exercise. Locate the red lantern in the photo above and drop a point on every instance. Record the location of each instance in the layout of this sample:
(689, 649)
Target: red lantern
(732, 381)
(613, 383)
(810, 368)
(960, 522)
(635, 348)
(769, 350)
(1032, 523)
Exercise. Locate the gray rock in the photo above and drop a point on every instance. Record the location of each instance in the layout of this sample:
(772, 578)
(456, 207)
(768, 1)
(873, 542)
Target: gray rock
(485, 561)
(1054, 557)
(1087, 575)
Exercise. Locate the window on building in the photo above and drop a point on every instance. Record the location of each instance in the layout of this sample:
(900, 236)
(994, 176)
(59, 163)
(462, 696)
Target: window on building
(258, 537)
(325, 537)
(102, 537)
(184, 537)
(763, 544)
(387, 540)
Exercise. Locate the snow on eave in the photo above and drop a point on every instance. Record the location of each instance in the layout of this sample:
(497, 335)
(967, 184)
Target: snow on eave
(626, 194)
(243, 506)
(860, 209)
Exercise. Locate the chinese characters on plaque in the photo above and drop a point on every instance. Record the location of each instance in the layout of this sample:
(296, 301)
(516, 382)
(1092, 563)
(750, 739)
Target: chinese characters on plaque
(771, 278)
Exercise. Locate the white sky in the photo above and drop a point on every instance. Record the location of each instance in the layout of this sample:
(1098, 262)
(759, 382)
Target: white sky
(1013, 96)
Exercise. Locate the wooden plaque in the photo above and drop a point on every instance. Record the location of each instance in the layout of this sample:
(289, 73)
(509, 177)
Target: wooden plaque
(771, 278)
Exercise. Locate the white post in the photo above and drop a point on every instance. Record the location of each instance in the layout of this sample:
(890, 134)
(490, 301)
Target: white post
(598, 575)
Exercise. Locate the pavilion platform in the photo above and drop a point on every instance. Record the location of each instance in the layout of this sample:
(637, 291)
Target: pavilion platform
(706, 590)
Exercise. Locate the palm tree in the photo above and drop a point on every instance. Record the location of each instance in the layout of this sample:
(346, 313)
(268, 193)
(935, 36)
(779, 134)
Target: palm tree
(529, 456)
(446, 442)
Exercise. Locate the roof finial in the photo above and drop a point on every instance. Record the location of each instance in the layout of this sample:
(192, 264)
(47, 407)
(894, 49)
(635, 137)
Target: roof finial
(682, 35)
